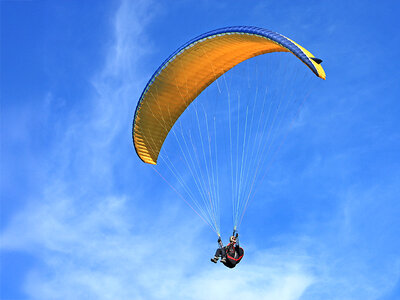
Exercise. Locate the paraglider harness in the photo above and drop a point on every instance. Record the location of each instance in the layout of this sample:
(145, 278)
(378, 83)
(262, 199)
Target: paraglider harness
(233, 252)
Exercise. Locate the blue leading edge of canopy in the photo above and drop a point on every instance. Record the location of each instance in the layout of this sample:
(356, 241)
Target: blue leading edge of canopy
(271, 35)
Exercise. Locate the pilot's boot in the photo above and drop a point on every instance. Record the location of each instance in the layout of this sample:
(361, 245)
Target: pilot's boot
(215, 259)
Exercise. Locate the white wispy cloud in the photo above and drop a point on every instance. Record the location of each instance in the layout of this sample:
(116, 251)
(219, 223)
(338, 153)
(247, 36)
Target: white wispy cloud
(101, 254)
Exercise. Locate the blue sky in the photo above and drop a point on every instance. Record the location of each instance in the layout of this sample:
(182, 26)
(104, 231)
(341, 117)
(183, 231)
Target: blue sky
(83, 218)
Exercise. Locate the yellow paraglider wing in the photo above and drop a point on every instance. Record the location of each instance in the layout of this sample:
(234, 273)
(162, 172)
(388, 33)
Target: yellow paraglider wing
(193, 67)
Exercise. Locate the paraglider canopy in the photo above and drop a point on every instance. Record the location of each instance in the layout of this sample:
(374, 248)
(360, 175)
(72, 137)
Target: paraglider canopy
(193, 67)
